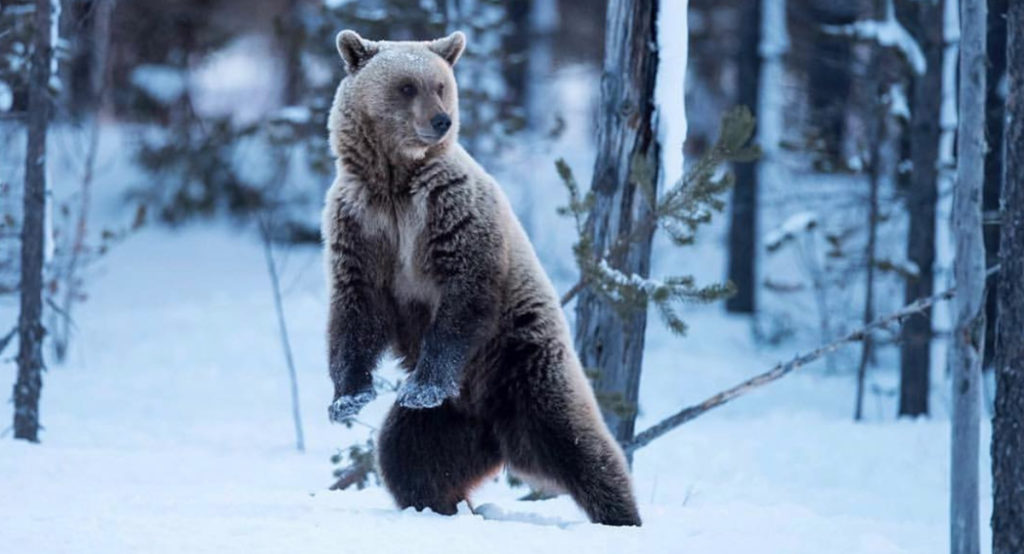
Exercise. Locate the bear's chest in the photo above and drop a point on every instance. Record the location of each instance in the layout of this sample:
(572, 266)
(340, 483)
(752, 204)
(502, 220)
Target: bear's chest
(404, 227)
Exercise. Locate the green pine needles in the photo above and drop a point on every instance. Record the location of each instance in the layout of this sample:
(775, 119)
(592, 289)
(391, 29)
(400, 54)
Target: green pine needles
(679, 212)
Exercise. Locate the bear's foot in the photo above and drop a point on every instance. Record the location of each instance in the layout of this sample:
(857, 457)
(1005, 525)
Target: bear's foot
(418, 395)
(346, 407)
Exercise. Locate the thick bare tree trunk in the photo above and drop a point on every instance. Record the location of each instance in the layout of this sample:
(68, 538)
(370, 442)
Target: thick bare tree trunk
(30, 327)
(968, 340)
(743, 212)
(611, 344)
(1008, 423)
(916, 334)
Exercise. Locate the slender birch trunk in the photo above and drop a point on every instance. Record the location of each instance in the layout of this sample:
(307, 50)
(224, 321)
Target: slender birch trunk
(967, 343)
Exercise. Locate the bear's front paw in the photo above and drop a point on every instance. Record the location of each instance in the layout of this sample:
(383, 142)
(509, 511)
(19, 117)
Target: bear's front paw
(346, 407)
(417, 395)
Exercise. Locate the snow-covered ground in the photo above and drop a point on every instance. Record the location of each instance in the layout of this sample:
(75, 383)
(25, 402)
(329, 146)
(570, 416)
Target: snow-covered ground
(169, 429)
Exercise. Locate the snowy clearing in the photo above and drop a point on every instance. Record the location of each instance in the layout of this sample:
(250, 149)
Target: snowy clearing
(169, 430)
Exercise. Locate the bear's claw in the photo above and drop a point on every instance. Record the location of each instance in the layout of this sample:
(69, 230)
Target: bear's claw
(417, 396)
(348, 406)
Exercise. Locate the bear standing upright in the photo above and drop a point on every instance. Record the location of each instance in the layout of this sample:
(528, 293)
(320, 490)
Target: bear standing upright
(424, 256)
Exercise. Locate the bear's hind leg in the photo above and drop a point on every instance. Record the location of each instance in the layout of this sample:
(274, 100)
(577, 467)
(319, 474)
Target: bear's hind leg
(432, 458)
(584, 461)
(550, 429)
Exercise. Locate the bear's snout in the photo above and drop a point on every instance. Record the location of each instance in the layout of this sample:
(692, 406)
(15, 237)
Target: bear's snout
(441, 123)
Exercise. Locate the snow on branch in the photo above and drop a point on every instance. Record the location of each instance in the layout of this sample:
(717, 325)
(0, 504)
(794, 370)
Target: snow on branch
(887, 32)
(790, 228)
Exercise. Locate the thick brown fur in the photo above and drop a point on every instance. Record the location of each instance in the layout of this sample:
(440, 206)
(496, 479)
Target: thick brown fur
(424, 256)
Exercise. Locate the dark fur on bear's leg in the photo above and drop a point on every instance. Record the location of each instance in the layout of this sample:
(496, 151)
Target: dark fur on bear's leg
(580, 460)
(432, 458)
(548, 430)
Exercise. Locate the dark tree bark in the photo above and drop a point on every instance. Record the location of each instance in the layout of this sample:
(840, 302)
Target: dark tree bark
(611, 344)
(30, 327)
(996, 49)
(289, 35)
(916, 334)
(828, 72)
(743, 223)
(1008, 423)
(870, 254)
(968, 341)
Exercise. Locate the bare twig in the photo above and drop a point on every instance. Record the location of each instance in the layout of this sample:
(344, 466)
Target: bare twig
(7, 338)
(275, 284)
(782, 369)
(77, 247)
(572, 292)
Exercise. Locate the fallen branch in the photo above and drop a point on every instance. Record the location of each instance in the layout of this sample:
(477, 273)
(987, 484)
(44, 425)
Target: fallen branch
(782, 369)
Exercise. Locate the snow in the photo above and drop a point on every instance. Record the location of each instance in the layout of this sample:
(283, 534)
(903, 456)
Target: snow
(888, 32)
(6, 96)
(669, 89)
(796, 223)
(296, 115)
(950, 58)
(160, 82)
(632, 280)
(899, 107)
(242, 79)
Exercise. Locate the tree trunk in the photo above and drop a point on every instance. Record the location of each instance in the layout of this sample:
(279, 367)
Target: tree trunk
(829, 76)
(289, 35)
(996, 56)
(916, 334)
(968, 340)
(30, 327)
(743, 223)
(611, 344)
(869, 255)
(1008, 423)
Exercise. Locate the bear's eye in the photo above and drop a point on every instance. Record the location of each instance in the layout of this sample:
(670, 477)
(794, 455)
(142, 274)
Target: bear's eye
(407, 90)
(440, 89)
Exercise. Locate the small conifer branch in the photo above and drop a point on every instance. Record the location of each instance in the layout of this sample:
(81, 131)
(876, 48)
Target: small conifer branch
(679, 211)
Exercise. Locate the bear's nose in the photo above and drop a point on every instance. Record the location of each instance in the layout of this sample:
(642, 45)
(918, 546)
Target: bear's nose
(441, 123)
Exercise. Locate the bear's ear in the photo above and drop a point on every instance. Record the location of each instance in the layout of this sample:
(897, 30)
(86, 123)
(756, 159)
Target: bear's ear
(354, 50)
(449, 47)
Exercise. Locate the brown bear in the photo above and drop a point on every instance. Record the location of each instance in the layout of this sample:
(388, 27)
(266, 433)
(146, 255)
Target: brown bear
(425, 256)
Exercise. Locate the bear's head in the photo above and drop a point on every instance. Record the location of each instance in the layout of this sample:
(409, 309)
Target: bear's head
(404, 91)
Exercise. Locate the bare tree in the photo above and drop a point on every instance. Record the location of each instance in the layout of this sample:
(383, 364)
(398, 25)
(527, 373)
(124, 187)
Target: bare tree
(66, 274)
(995, 50)
(743, 222)
(625, 177)
(916, 334)
(1008, 423)
(968, 341)
(30, 326)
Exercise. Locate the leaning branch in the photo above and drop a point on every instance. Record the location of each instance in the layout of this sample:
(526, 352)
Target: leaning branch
(7, 339)
(782, 369)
